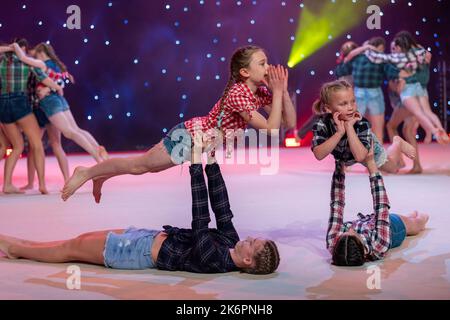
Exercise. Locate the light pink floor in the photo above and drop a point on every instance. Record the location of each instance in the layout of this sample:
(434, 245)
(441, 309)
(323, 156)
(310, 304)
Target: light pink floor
(290, 207)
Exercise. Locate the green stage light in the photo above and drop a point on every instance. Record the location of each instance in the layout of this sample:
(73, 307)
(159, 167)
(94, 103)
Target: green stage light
(322, 21)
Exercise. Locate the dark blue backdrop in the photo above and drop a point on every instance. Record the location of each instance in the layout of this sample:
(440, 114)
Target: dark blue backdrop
(182, 51)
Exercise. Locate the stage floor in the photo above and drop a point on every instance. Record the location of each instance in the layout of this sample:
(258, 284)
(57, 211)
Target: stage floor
(291, 207)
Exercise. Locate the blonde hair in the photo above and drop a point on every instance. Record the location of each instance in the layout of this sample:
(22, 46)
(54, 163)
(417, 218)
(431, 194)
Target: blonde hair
(325, 94)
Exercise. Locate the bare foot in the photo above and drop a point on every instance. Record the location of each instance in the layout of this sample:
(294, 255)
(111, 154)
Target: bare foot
(27, 187)
(43, 190)
(416, 170)
(12, 190)
(103, 153)
(442, 137)
(78, 178)
(97, 188)
(401, 162)
(4, 247)
(407, 149)
(423, 217)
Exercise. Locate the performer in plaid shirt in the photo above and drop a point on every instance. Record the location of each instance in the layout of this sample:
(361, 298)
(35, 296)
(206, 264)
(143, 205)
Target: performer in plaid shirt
(16, 114)
(341, 131)
(200, 249)
(413, 94)
(370, 236)
(367, 79)
(56, 107)
(247, 90)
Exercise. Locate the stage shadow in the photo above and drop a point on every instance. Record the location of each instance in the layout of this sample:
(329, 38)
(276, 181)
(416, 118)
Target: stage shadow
(406, 278)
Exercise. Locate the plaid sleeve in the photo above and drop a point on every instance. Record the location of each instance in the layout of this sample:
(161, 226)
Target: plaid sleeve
(40, 75)
(343, 69)
(364, 133)
(240, 102)
(320, 133)
(381, 237)
(398, 59)
(220, 203)
(390, 71)
(337, 205)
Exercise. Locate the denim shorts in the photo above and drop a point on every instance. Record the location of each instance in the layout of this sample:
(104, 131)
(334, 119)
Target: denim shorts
(131, 250)
(53, 104)
(178, 142)
(395, 100)
(379, 152)
(369, 99)
(41, 117)
(423, 92)
(411, 90)
(398, 230)
(13, 107)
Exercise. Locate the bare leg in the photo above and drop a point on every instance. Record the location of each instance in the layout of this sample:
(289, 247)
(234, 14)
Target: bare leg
(155, 160)
(4, 143)
(394, 152)
(425, 103)
(377, 123)
(31, 129)
(409, 132)
(60, 121)
(54, 136)
(415, 223)
(15, 138)
(414, 106)
(31, 169)
(101, 149)
(87, 247)
(398, 116)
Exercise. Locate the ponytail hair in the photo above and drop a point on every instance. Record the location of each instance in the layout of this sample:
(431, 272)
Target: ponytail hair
(326, 92)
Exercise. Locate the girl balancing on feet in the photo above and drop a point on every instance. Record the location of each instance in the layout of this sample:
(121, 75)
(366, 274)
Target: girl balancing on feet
(342, 131)
(252, 84)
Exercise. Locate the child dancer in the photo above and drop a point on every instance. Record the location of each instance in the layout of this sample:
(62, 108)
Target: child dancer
(246, 92)
(371, 236)
(55, 107)
(199, 249)
(413, 95)
(54, 138)
(342, 131)
(368, 78)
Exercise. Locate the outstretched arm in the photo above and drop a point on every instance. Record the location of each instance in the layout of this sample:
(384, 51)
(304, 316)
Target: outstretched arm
(4, 49)
(337, 205)
(381, 237)
(358, 51)
(28, 60)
